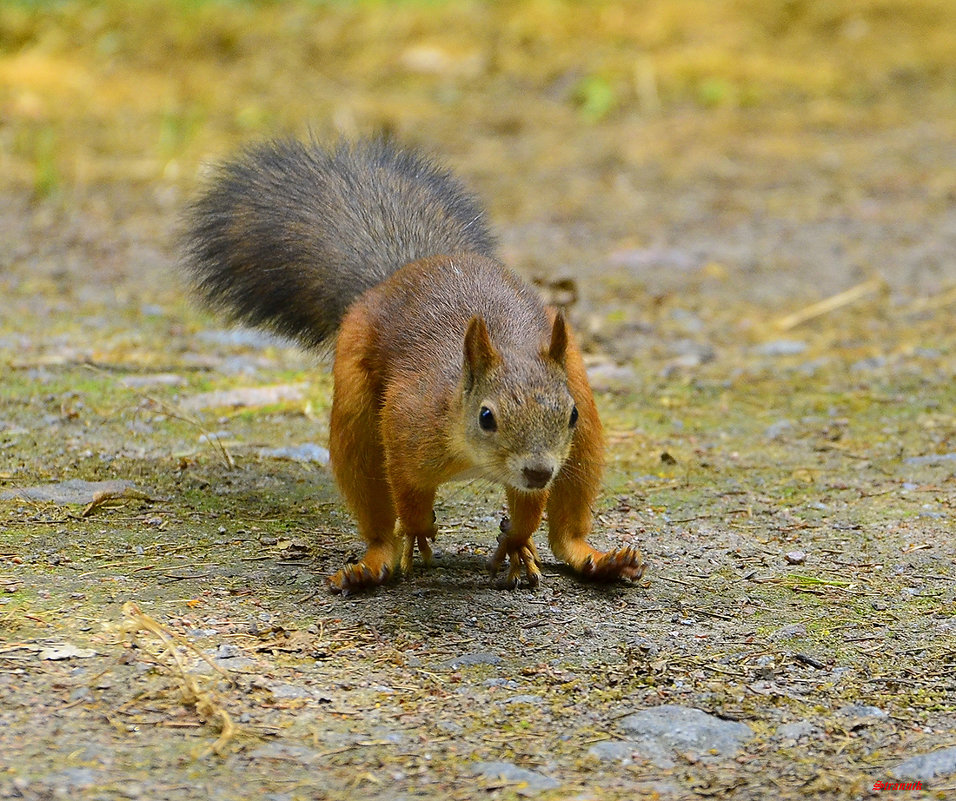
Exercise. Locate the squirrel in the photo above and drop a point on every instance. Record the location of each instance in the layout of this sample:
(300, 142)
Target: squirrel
(446, 366)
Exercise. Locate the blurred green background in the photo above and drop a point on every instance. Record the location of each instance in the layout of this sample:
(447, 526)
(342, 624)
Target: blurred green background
(143, 90)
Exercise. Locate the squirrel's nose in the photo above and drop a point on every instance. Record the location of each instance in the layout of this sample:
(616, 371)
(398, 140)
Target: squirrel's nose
(537, 477)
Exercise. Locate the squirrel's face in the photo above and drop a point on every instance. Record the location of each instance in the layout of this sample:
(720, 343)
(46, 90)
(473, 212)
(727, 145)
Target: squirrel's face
(521, 440)
(519, 417)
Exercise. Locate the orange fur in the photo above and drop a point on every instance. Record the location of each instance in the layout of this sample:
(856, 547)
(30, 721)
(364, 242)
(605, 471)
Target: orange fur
(446, 367)
(391, 450)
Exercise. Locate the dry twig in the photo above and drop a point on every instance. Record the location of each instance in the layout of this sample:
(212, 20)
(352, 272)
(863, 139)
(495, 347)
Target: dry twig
(204, 702)
(832, 303)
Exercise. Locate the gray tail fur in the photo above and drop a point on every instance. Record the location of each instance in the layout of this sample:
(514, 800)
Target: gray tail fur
(289, 234)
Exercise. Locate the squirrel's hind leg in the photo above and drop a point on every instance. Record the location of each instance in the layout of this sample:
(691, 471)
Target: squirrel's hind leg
(367, 494)
(358, 463)
(416, 523)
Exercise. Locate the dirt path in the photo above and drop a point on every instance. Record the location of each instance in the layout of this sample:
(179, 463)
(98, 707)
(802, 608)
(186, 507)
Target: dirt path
(788, 469)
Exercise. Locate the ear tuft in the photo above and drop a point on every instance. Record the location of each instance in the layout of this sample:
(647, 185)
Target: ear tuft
(558, 350)
(480, 355)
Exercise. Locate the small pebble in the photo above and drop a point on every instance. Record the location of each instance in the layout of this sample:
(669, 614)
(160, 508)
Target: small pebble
(227, 651)
(468, 660)
(790, 631)
(796, 730)
(531, 781)
(620, 751)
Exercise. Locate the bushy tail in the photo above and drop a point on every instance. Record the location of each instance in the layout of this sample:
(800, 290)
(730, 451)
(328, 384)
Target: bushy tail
(289, 234)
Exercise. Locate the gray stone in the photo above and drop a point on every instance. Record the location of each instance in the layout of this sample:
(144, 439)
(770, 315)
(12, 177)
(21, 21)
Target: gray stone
(528, 781)
(932, 459)
(609, 376)
(74, 490)
(241, 337)
(80, 694)
(280, 690)
(781, 347)
(497, 681)
(796, 730)
(232, 663)
(306, 452)
(861, 712)
(869, 363)
(244, 397)
(793, 631)
(690, 353)
(389, 736)
(522, 699)
(776, 430)
(285, 751)
(661, 730)
(152, 380)
(653, 259)
(925, 766)
(621, 751)
(476, 658)
(65, 650)
(227, 650)
(646, 646)
(795, 557)
(73, 777)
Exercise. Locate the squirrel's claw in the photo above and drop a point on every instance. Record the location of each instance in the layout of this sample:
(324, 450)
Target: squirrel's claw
(361, 576)
(622, 563)
(425, 549)
(522, 558)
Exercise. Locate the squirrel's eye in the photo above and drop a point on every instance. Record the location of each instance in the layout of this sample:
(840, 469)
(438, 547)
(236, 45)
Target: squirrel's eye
(486, 419)
(574, 416)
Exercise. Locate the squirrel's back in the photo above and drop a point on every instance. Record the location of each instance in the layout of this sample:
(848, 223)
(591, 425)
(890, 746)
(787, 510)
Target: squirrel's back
(288, 235)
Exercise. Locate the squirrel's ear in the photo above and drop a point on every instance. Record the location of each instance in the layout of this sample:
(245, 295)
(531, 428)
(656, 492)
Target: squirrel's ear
(558, 350)
(480, 354)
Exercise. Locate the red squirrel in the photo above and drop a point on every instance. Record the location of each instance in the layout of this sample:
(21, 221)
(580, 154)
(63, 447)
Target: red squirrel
(447, 365)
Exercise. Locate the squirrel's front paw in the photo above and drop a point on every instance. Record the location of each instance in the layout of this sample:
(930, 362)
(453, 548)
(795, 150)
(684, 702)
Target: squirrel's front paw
(522, 558)
(623, 563)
